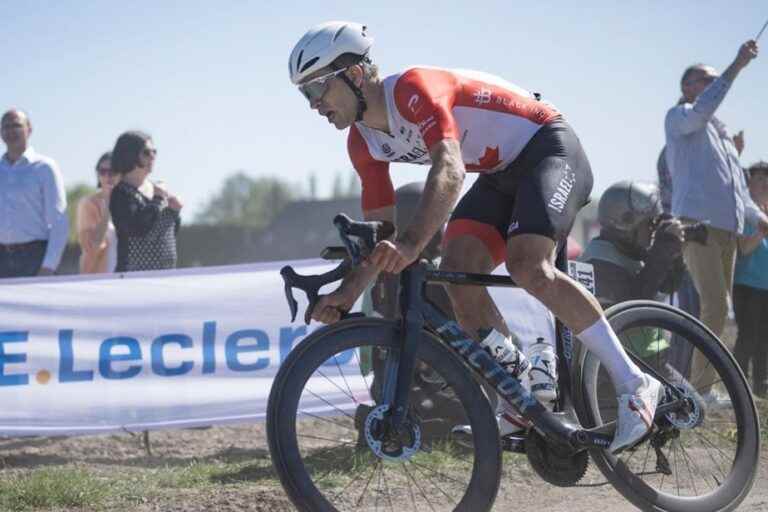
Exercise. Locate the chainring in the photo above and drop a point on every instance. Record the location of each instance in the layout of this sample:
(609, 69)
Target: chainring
(556, 468)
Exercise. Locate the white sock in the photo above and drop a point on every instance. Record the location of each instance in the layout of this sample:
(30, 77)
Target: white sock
(600, 339)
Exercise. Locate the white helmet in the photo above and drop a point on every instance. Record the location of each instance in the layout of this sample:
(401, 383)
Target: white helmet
(323, 44)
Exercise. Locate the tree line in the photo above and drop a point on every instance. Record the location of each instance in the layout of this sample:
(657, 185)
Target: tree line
(242, 200)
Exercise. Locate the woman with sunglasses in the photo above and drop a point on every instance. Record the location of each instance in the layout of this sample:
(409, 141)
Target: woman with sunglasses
(95, 230)
(145, 214)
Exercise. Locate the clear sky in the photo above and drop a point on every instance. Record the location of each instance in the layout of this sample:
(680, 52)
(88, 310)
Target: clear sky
(209, 80)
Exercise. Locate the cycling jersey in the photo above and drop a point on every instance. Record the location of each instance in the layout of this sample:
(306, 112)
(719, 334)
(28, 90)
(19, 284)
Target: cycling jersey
(492, 119)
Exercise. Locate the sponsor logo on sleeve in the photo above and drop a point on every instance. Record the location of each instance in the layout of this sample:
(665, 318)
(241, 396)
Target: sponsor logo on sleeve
(482, 96)
(413, 104)
(427, 124)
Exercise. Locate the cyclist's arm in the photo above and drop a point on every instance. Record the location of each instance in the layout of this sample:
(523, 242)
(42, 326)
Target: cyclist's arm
(378, 203)
(441, 192)
(425, 98)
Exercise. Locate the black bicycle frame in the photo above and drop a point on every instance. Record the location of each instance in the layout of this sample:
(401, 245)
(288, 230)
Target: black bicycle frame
(418, 312)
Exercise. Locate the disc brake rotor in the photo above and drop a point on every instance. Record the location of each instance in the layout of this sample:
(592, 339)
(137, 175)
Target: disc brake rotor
(690, 415)
(393, 446)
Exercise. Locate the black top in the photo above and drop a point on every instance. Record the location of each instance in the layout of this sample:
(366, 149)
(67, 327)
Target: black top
(661, 271)
(146, 230)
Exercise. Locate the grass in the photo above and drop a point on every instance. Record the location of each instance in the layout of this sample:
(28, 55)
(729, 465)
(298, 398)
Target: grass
(68, 488)
(52, 488)
(762, 412)
(196, 474)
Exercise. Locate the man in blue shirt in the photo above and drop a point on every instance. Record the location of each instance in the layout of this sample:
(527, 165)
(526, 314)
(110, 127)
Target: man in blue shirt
(708, 186)
(33, 219)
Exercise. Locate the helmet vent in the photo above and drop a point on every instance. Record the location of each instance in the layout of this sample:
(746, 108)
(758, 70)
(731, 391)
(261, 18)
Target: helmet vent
(309, 64)
(338, 33)
(298, 61)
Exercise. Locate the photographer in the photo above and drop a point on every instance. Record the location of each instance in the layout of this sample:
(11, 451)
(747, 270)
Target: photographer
(638, 254)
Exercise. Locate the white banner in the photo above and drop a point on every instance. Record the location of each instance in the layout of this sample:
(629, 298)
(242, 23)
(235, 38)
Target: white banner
(168, 349)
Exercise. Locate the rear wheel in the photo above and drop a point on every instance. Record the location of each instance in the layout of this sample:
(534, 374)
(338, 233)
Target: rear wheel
(328, 438)
(700, 456)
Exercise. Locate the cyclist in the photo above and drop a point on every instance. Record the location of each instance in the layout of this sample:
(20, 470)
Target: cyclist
(534, 178)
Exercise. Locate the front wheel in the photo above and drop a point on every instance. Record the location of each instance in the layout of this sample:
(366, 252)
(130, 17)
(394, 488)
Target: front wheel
(699, 457)
(328, 438)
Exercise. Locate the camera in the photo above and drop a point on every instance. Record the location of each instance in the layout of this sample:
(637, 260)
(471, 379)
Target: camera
(696, 232)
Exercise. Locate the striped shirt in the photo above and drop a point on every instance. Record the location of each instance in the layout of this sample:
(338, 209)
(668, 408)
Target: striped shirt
(33, 204)
(708, 183)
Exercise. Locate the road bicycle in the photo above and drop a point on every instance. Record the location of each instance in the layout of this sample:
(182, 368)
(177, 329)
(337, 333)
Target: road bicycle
(348, 428)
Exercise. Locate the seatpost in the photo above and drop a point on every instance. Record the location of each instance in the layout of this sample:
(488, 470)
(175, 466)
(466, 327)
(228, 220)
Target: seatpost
(412, 282)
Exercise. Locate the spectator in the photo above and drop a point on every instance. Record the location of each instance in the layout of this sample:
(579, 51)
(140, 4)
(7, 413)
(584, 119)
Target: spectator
(95, 230)
(750, 291)
(687, 296)
(709, 186)
(145, 214)
(33, 219)
(636, 255)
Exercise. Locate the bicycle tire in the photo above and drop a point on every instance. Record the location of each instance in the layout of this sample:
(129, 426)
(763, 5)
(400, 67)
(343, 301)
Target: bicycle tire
(736, 484)
(317, 349)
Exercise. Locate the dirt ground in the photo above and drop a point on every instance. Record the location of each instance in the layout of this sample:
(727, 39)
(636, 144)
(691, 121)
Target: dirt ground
(248, 483)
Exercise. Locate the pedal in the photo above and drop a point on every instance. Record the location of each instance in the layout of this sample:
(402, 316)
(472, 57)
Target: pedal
(512, 443)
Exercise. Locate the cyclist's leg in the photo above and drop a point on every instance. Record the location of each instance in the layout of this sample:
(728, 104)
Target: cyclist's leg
(553, 183)
(474, 242)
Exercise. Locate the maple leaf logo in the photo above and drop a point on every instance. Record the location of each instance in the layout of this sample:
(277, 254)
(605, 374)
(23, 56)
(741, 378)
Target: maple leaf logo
(489, 160)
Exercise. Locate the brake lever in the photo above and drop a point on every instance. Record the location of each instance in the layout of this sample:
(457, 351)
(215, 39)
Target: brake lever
(310, 285)
(368, 232)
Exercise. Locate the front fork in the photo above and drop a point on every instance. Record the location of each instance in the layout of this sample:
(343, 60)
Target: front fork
(401, 362)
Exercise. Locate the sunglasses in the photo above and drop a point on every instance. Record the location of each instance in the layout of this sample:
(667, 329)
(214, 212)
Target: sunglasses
(149, 152)
(104, 171)
(316, 88)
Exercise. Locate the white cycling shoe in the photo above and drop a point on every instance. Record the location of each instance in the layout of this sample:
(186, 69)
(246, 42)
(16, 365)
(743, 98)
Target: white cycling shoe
(635, 414)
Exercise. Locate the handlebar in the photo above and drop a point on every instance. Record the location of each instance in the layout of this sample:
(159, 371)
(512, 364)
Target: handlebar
(359, 239)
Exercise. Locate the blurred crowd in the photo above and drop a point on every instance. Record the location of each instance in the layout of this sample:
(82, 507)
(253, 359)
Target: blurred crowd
(698, 232)
(130, 222)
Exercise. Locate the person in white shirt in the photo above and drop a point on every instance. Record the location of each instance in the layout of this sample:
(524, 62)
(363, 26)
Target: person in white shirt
(33, 219)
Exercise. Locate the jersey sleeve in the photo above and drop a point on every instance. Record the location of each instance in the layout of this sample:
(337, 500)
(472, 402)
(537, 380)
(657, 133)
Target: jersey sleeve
(377, 188)
(426, 97)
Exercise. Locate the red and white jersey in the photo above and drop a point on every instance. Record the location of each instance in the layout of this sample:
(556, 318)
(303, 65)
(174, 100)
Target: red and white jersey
(491, 118)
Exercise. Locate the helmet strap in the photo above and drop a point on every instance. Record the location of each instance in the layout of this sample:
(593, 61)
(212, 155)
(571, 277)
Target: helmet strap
(362, 106)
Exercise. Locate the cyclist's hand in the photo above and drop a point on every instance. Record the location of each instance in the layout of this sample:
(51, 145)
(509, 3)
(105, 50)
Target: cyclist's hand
(389, 256)
(329, 308)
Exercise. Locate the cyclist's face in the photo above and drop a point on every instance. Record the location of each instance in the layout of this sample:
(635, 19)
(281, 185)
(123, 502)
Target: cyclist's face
(337, 104)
